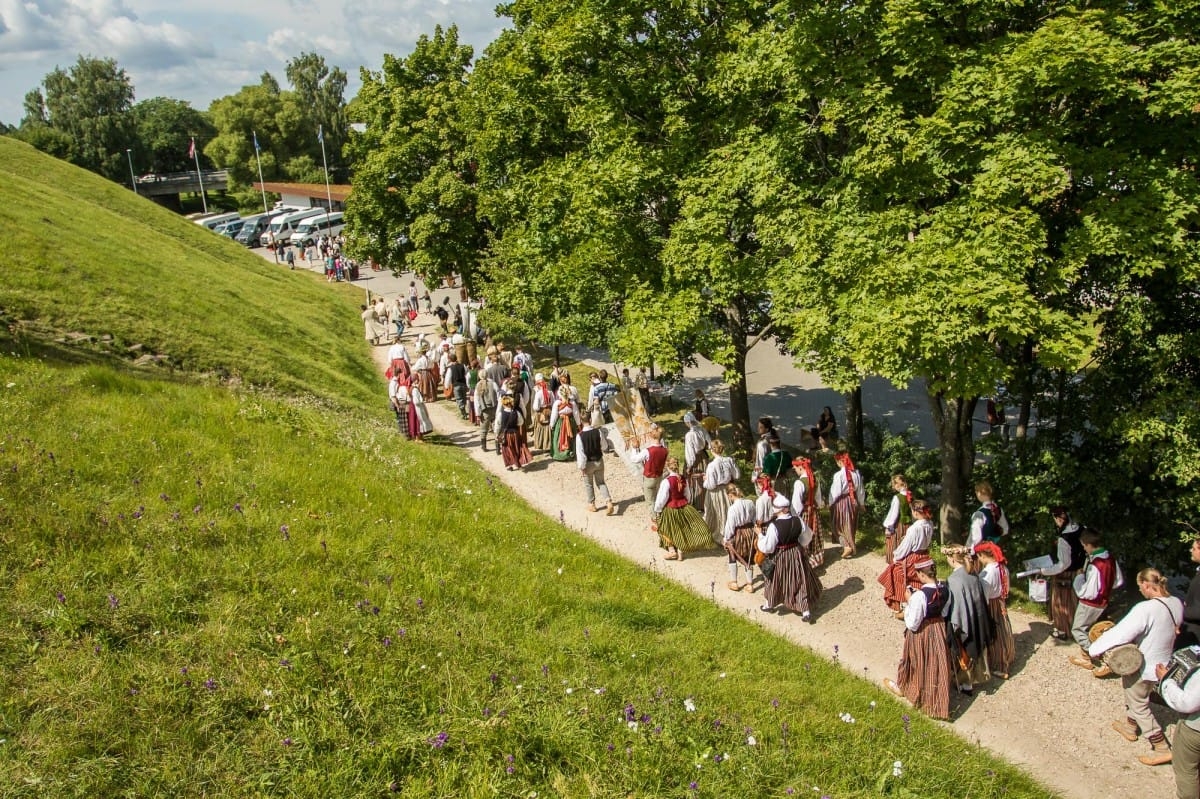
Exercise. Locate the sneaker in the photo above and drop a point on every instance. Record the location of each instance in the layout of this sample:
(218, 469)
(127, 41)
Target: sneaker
(767, 609)
(806, 616)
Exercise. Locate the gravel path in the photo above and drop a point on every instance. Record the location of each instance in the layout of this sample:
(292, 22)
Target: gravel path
(1050, 718)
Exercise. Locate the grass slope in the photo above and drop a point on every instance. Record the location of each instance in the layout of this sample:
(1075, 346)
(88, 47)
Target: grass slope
(84, 256)
(232, 593)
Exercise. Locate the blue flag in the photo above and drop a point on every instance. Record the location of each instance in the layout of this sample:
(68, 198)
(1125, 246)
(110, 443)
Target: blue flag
(320, 134)
(255, 135)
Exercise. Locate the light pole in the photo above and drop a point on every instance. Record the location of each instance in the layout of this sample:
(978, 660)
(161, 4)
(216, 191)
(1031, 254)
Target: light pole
(132, 179)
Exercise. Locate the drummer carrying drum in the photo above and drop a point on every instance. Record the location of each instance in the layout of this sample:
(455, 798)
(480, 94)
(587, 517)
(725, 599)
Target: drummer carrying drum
(1150, 625)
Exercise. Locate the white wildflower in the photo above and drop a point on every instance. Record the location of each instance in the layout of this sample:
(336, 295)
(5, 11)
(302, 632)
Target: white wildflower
(751, 741)
(897, 769)
(570, 690)
(633, 726)
(689, 705)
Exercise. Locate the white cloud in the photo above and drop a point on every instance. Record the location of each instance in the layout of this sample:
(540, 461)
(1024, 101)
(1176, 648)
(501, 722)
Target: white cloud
(198, 51)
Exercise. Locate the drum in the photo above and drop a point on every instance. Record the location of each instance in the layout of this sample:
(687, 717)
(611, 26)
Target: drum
(1125, 659)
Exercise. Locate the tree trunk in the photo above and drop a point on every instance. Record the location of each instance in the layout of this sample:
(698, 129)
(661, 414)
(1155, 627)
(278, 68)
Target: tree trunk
(739, 403)
(1025, 387)
(854, 421)
(953, 419)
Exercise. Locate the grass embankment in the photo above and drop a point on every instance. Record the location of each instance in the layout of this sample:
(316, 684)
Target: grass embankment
(216, 592)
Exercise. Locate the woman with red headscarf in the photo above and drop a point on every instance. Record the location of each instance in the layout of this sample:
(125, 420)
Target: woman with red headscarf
(846, 497)
(899, 515)
(1001, 650)
(806, 503)
(912, 549)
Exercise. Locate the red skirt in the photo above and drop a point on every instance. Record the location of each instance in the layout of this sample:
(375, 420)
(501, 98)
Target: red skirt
(923, 675)
(896, 577)
(514, 449)
(794, 584)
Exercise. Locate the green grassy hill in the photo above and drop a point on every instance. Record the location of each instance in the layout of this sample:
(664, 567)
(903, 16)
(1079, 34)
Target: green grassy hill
(216, 590)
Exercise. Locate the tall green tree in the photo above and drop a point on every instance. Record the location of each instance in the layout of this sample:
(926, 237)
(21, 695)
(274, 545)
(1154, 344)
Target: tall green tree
(414, 201)
(320, 95)
(165, 127)
(88, 106)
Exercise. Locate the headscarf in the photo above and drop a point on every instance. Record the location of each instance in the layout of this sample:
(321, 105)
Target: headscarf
(991, 549)
(767, 485)
(848, 467)
(805, 465)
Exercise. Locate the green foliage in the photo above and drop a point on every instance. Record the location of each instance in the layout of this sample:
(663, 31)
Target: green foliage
(165, 128)
(414, 203)
(89, 107)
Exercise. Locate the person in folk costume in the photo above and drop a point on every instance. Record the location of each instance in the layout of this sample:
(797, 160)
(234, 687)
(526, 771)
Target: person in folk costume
(589, 458)
(1069, 558)
(418, 416)
(487, 406)
(513, 448)
(398, 398)
(900, 574)
(695, 459)
(653, 459)
(564, 425)
(472, 384)
(397, 352)
(1002, 650)
(1183, 696)
(1152, 625)
(740, 537)
(423, 369)
(516, 388)
(777, 464)
(762, 447)
(764, 504)
(923, 675)
(846, 497)
(969, 624)
(720, 472)
(543, 406)
(793, 584)
(806, 503)
(989, 522)
(899, 515)
(1093, 586)
(680, 526)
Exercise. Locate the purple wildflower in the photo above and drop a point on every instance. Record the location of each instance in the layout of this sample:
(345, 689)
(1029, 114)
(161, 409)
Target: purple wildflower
(210, 684)
(545, 670)
(183, 670)
(630, 713)
(286, 741)
(61, 597)
(402, 632)
(287, 664)
(440, 740)
(164, 497)
(237, 507)
(509, 770)
(775, 703)
(196, 511)
(113, 602)
(420, 603)
(611, 747)
(137, 514)
(284, 530)
(387, 641)
(509, 758)
(693, 786)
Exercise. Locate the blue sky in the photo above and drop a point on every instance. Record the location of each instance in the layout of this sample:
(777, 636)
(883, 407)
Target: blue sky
(199, 51)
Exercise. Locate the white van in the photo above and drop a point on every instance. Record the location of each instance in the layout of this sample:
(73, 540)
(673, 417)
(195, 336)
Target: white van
(282, 227)
(311, 229)
(211, 222)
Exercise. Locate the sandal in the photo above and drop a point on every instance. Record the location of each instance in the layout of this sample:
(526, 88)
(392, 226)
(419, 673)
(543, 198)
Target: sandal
(891, 686)
(733, 585)
(672, 556)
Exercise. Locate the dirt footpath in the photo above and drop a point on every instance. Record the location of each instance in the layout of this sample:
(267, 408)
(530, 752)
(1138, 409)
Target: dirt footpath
(1050, 718)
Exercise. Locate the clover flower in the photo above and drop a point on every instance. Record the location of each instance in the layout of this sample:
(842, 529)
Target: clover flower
(689, 705)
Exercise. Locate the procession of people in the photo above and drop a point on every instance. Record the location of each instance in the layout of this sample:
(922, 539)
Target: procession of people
(954, 633)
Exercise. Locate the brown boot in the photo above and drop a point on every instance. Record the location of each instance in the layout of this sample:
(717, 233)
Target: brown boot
(1083, 660)
(591, 507)
(1160, 754)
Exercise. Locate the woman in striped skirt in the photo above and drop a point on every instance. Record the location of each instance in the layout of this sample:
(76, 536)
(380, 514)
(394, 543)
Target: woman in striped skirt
(740, 537)
(806, 503)
(720, 472)
(899, 516)
(923, 675)
(846, 497)
(680, 526)
(793, 583)
(898, 575)
(1001, 650)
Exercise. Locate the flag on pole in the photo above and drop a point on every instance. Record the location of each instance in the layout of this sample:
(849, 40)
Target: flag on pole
(320, 134)
(255, 135)
(192, 149)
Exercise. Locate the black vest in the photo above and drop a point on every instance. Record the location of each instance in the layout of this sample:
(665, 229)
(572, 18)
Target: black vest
(1078, 556)
(589, 440)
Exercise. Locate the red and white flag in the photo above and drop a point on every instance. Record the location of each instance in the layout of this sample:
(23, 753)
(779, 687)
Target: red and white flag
(192, 149)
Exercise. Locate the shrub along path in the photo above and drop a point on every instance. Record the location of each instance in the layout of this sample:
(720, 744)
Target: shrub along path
(1050, 718)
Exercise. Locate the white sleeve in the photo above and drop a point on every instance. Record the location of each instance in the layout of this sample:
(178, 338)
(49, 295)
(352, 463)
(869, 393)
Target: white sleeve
(553, 413)
(1135, 624)
(860, 491)
(905, 547)
(837, 487)
(638, 455)
(710, 476)
(768, 539)
(976, 535)
(1185, 700)
(1087, 585)
(914, 610)
(798, 498)
(1062, 561)
(730, 524)
(893, 514)
(664, 494)
(580, 455)
(991, 580)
